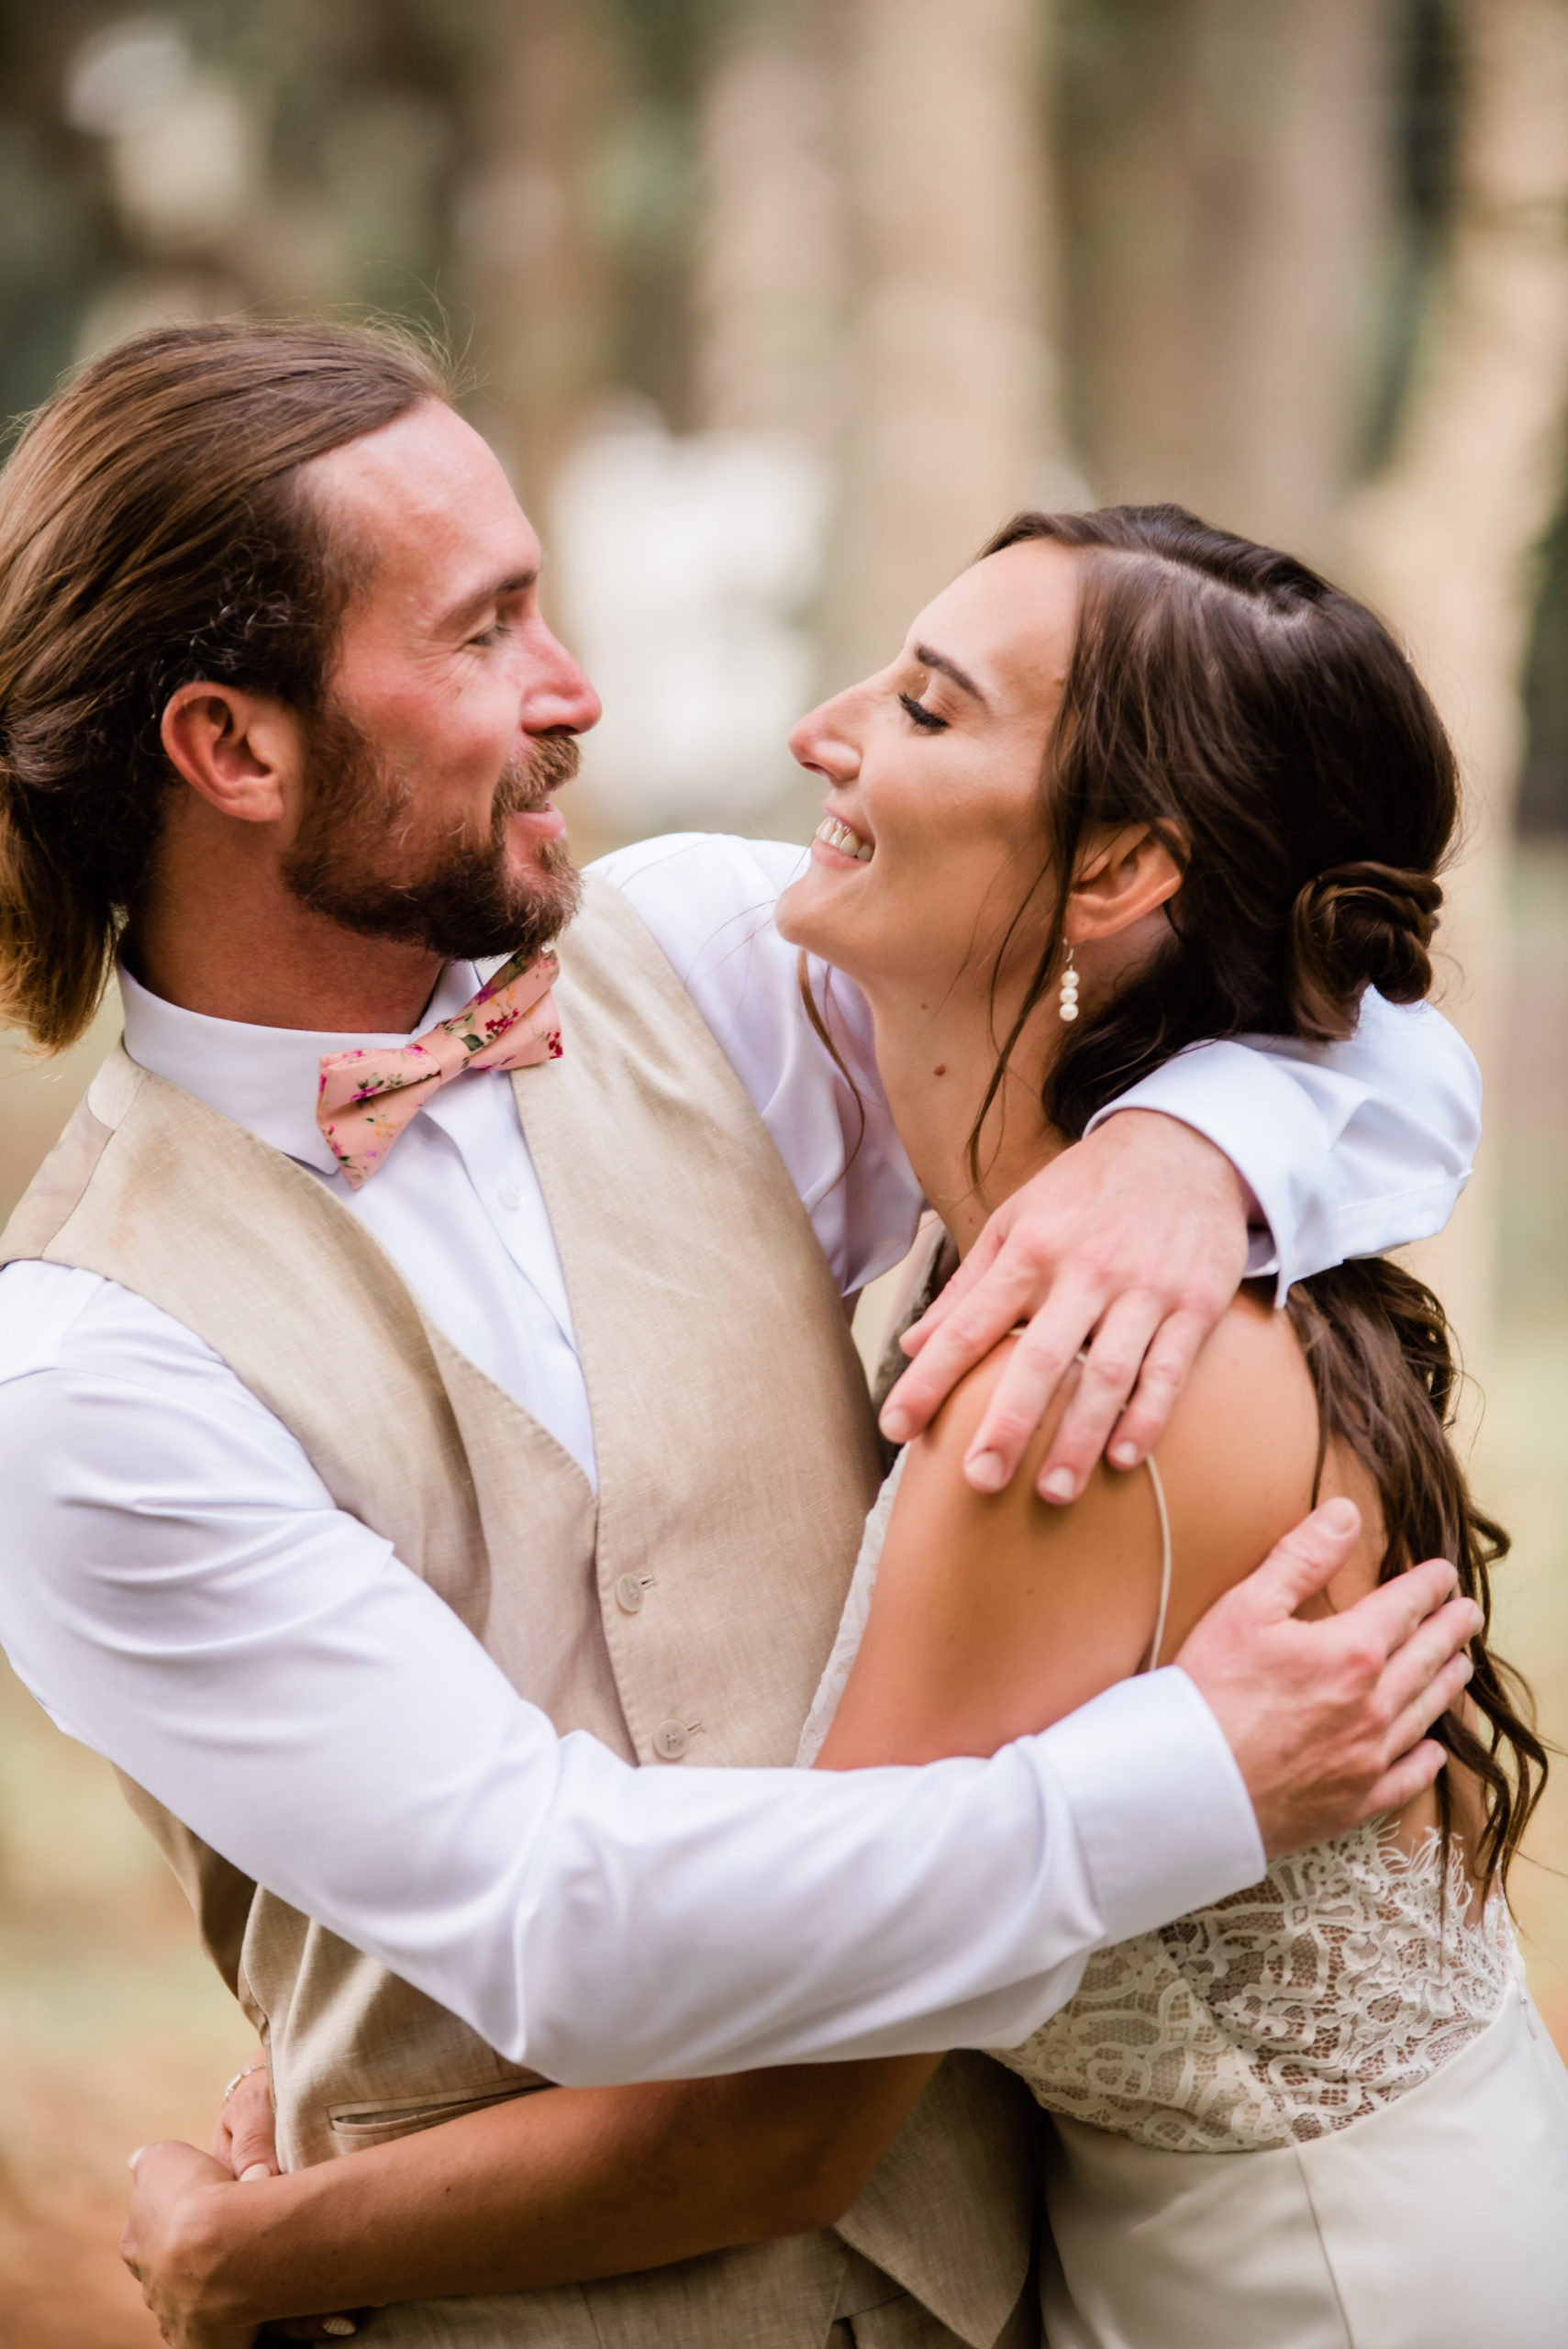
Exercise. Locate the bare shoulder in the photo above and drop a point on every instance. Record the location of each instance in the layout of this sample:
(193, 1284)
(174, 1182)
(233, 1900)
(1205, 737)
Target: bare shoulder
(1239, 1461)
(1250, 1393)
(999, 1613)
(994, 1613)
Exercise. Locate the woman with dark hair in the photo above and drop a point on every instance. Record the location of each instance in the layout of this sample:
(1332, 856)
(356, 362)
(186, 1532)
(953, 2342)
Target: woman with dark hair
(1135, 782)
(1132, 784)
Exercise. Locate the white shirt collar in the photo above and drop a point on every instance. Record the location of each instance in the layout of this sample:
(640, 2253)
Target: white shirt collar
(263, 1078)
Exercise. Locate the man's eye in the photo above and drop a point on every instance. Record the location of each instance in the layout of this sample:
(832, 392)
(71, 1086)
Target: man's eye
(921, 715)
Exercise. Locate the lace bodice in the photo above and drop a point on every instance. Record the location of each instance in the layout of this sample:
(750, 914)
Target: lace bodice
(1342, 1980)
(1349, 1974)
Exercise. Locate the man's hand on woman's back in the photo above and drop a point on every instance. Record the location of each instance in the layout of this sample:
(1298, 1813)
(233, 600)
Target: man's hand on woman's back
(1327, 1719)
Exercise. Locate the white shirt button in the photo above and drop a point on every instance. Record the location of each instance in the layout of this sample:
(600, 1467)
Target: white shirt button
(511, 1196)
(629, 1593)
(670, 1741)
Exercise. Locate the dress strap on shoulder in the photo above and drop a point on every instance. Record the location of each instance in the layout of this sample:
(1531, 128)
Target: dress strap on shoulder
(1151, 1660)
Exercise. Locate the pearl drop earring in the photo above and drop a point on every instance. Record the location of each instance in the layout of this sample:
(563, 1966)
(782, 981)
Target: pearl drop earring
(1069, 1003)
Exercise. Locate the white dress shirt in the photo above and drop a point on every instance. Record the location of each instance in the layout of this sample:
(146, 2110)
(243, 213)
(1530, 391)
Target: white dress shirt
(181, 1593)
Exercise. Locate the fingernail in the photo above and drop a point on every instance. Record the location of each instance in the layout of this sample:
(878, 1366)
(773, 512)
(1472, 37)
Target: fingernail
(339, 2326)
(257, 2169)
(1060, 1486)
(132, 2159)
(985, 1472)
(1123, 1455)
(897, 1424)
(1340, 1516)
(1469, 1672)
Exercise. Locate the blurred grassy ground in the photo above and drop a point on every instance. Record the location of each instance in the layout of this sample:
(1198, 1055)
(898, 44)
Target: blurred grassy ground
(113, 2030)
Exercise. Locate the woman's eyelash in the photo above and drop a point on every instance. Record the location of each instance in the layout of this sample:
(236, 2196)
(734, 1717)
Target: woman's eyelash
(921, 715)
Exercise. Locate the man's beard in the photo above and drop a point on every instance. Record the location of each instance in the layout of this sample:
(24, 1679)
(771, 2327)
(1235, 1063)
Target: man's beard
(464, 902)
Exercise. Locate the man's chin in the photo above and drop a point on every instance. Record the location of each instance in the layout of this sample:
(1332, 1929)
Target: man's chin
(531, 856)
(466, 914)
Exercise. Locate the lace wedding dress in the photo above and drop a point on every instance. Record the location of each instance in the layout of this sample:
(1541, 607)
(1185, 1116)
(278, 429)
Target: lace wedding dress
(1322, 2114)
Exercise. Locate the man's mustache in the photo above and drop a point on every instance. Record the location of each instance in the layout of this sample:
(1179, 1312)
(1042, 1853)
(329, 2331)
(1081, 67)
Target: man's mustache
(529, 779)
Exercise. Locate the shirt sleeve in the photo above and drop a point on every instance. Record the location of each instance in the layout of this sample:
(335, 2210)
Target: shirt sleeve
(709, 900)
(182, 1594)
(1346, 1148)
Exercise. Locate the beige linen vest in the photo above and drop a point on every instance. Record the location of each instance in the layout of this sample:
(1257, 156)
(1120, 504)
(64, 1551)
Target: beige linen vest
(684, 1617)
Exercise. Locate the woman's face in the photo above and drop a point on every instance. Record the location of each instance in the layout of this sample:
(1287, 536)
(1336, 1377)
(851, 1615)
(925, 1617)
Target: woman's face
(932, 834)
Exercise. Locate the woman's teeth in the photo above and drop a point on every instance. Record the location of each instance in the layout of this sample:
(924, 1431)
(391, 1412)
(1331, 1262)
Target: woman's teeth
(836, 835)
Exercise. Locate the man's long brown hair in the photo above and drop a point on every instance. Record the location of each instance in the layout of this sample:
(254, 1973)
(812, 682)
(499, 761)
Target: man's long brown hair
(154, 531)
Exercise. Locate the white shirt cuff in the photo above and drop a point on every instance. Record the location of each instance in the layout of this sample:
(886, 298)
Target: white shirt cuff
(1162, 1811)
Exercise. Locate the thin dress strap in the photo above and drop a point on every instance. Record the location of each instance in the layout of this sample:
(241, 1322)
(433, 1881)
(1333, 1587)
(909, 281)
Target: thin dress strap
(1152, 1661)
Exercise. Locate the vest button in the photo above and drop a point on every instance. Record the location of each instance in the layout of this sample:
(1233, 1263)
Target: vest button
(629, 1594)
(669, 1741)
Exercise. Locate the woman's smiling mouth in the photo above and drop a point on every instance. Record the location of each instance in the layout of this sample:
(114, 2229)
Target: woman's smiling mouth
(837, 836)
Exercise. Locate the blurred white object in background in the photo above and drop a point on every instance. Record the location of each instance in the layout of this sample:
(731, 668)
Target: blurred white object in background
(685, 569)
(181, 147)
(125, 74)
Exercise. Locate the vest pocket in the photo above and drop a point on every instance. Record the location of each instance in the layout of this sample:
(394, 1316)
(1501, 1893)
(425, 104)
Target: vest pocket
(356, 2126)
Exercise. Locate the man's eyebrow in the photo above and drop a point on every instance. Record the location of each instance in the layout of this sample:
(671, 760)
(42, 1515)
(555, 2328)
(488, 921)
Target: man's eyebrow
(516, 582)
(929, 660)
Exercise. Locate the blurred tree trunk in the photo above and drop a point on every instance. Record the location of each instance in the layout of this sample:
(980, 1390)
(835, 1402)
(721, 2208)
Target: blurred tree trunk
(530, 262)
(770, 274)
(951, 398)
(1444, 541)
(1226, 191)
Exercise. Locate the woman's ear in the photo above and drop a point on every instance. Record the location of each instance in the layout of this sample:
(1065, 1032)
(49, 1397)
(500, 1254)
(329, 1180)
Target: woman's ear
(1127, 873)
(240, 752)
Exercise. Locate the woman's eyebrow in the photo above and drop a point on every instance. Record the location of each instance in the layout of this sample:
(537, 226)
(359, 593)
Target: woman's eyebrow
(929, 660)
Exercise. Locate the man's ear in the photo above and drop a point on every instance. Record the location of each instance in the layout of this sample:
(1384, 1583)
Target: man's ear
(1126, 874)
(242, 753)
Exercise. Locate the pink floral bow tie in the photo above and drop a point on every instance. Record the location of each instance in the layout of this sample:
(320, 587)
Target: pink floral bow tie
(365, 1098)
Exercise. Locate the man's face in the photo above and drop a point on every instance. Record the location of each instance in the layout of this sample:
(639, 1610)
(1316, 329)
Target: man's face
(451, 711)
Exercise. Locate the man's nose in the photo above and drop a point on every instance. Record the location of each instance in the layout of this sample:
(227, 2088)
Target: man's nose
(557, 693)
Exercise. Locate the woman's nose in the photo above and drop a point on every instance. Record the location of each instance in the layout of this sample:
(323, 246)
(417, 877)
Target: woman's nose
(826, 739)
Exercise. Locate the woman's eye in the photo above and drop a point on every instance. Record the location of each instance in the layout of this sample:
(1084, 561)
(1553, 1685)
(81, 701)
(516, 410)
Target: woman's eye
(921, 715)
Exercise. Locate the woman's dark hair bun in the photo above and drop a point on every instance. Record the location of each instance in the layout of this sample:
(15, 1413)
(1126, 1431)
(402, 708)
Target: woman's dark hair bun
(1357, 926)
